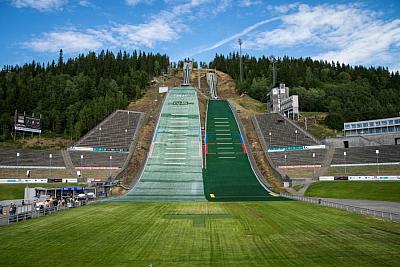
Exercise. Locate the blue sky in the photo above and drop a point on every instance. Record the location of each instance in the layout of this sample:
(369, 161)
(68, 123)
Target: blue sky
(358, 33)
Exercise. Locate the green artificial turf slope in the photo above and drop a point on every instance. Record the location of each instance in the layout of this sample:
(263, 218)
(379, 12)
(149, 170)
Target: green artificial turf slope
(228, 175)
(276, 233)
(386, 191)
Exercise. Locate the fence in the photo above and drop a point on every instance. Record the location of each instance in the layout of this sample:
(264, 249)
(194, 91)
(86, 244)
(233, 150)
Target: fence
(365, 211)
(28, 212)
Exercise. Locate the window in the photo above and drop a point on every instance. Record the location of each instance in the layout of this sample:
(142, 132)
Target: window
(359, 125)
(377, 123)
(390, 122)
(397, 121)
(372, 124)
(384, 130)
(365, 124)
(353, 126)
(384, 122)
(347, 126)
(378, 130)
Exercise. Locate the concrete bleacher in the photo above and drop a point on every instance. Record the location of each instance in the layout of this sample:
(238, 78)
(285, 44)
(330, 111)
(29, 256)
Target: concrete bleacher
(28, 157)
(117, 131)
(298, 158)
(97, 159)
(283, 132)
(367, 155)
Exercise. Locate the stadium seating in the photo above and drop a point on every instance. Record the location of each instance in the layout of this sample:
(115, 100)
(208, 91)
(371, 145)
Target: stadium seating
(283, 133)
(97, 159)
(117, 131)
(367, 154)
(298, 158)
(27, 157)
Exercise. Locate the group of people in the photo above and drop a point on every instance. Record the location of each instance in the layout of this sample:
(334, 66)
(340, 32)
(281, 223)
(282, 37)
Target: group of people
(12, 209)
(41, 205)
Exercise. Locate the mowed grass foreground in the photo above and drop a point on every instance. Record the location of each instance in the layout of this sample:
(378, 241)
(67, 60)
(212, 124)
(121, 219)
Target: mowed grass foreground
(286, 233)
(386, 191)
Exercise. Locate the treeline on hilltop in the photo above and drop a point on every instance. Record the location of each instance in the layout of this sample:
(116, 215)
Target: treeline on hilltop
(346, 93)
(73, 96)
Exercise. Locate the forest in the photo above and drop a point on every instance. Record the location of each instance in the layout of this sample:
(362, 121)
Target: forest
(344, 92)
(73, 96)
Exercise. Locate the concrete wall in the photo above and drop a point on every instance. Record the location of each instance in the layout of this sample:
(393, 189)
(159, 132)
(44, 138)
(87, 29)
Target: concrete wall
(359, 141)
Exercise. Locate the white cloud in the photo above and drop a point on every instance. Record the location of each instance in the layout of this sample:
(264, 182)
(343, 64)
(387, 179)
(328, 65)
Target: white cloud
(249, 3)
(136, 2)
(70, 41)
(41, 5)
(166, 26)
(346, 33)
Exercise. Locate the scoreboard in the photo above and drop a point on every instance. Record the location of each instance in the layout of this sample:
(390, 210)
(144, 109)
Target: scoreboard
(28, 123)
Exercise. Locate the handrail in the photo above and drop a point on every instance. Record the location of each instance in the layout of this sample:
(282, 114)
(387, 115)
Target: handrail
(365, 211)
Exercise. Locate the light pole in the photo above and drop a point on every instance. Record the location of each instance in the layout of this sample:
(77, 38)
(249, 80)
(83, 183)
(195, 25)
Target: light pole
(270, 138)
(110, 165)
(50, 157)
(81, 166)
(273, 60)
(296, 136)
(99, 135)
(17, 164)
(285, 165)
(126, 134)
(345, 162)
(240, 60)
(377, 159)
(313, 155)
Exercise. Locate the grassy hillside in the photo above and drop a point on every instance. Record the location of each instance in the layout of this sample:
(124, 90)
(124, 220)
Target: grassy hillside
(388, 191)
(285, 233)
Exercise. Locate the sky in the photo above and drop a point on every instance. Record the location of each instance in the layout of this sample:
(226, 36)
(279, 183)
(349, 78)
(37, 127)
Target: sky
(356, 33)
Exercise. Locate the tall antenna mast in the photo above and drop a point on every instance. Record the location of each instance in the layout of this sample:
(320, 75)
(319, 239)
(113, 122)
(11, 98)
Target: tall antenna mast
(273, 60)
(240, 54)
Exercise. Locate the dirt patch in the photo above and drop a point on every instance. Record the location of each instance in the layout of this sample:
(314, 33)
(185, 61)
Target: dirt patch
(37, 142)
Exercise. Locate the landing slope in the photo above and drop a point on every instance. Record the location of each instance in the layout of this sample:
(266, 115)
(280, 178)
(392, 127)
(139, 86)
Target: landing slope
(228, 175)
(173, 171)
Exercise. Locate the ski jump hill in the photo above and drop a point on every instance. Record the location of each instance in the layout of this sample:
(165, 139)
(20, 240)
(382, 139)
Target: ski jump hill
(183, 166)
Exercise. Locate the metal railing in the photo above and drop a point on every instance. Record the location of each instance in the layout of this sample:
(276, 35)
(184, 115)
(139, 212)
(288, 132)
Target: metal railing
(28, 212)
(365, 211)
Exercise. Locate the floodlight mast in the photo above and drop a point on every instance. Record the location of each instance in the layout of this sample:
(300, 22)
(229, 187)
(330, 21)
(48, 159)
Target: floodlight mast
(240, 55)
(273, 61)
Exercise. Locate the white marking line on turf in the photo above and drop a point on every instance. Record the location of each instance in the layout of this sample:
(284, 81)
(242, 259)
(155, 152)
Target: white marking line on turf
(227, 157)
(176, 143)
(226, 152)
(221, 125)
(176, 139)
(224, 147)
(175, 153)
(222, 130)
(227, 138)
(175, 158)
(224, 143)
(222, 134)
(185, 130)
(220, 118)
(176, 148)
(175, 114)
(174, 163)
(224, 122)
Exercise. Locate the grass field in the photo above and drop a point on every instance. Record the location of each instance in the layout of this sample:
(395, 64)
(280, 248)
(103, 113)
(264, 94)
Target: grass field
(284, 233)
(387, 191)
(16, 191)
(365, 170)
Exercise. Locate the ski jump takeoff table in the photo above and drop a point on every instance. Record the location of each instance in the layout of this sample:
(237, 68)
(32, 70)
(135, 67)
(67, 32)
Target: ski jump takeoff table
(173, 170)
(228, 175)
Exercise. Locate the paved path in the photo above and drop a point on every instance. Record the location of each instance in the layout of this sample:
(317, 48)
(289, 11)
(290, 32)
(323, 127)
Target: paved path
(386, 206)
